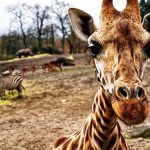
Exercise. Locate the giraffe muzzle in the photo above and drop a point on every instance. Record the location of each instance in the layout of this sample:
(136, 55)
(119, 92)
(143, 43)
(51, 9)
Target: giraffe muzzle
(140, 93)
(127, 93)
(130, 104)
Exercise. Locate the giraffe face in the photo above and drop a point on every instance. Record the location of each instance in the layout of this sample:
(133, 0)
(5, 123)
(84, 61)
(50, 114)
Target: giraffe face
(120, 59)
(120, 48)
(120, 56)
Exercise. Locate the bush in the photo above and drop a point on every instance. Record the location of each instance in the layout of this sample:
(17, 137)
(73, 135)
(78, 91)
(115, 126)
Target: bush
(35, 50)
(52, 50)
(49, 50)
(8, 57)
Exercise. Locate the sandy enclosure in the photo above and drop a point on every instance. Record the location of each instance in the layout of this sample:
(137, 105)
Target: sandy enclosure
(54, 104)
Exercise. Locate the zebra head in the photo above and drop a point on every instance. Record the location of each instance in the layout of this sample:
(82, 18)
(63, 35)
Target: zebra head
(16, 72)
(120, 49)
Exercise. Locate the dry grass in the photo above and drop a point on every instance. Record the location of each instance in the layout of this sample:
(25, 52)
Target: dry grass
(54, 104)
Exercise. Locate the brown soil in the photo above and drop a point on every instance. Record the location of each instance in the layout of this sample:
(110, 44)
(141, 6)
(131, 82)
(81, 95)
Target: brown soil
(54, 104)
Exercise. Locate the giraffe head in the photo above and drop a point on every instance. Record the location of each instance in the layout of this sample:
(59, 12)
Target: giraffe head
(120, 48)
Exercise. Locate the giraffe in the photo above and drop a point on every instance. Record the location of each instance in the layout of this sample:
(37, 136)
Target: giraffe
(120, 48)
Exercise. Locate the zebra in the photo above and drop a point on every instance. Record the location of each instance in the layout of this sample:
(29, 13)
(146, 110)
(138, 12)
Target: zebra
(14, 81)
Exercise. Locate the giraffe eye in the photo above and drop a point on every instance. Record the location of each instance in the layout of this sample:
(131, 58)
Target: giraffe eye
(147, 49)
(95, 48)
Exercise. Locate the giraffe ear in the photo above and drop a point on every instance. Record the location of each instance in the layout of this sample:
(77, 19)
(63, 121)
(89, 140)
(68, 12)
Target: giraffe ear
(146, 22)
(82, 23)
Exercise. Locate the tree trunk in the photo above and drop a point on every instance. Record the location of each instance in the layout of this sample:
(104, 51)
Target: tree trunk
(52, 36)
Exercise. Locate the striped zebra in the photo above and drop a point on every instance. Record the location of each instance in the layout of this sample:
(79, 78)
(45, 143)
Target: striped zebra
(14, 81)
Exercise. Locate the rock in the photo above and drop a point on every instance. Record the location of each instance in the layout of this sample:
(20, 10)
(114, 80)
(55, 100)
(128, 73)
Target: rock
(5, 73)
(63, 101)
(141, 131)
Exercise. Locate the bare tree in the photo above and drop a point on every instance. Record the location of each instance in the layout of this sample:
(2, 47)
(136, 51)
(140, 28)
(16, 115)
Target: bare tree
(40, 15)
(11, 42)
(19, 12)
(144, 7)
(75, 44)
(59, 10)
(49, 34)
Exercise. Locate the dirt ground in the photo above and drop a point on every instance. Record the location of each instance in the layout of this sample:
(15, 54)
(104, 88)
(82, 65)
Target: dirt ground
(54, 104)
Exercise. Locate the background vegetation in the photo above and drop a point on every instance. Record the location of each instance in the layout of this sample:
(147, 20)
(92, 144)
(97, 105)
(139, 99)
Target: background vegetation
(43, 29)
(145, 7)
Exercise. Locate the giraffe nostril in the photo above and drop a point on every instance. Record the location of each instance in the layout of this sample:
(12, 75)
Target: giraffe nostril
(139, 92)
(123, 92)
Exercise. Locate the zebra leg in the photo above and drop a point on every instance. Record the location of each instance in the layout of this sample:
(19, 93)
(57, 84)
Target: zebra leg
(11, 92)
(23, 87)
(2, 98)
(19, 89)
(3, 95)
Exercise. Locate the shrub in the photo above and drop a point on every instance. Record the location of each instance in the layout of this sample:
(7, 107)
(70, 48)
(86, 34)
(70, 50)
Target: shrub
(49, 50)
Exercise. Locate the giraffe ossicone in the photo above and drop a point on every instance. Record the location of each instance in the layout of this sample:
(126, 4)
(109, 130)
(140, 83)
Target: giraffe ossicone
(120, 48)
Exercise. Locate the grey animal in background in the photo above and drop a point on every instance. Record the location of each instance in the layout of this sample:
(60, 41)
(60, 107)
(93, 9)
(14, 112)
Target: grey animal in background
(24, 52)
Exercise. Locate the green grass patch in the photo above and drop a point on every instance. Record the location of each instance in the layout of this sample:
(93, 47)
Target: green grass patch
(9, 96)
(31, 88)
(6, 102)
(25, 58)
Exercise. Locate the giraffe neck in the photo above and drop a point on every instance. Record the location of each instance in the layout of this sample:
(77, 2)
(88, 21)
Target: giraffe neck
(101, 130)
(105, 127)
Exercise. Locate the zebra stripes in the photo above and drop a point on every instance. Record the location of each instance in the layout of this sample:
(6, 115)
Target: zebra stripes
(12, 82)
(101, 131)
